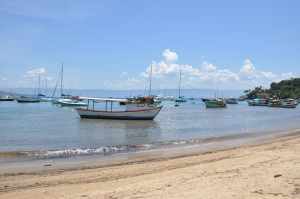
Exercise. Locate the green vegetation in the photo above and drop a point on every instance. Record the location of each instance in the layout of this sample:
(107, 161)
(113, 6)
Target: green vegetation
(283, 89)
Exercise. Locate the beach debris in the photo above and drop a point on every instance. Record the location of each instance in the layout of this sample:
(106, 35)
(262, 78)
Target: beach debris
(277, 175)
(47, 165)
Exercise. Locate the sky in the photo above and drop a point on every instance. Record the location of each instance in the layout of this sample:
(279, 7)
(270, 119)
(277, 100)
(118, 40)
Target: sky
(112, 44)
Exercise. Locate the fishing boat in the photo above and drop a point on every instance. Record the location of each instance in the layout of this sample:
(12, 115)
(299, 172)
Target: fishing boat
(258, 102)
(27, 99)
(141, 108)
(215, 103)
(231, 101)
(274, 103)
(6, 98)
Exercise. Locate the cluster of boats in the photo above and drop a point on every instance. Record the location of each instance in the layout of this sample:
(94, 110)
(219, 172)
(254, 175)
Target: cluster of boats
(218, 102)
(274, 102)
(136, 108)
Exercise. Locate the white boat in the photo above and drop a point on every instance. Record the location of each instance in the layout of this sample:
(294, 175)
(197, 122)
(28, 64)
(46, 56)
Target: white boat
(65, 100)
(6, 98)
(142, 108)
(70, 102)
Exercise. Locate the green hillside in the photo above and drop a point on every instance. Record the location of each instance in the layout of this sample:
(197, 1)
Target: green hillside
(283, 89)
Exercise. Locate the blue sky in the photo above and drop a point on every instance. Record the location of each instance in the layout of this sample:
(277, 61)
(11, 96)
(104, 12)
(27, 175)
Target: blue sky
(111, 44)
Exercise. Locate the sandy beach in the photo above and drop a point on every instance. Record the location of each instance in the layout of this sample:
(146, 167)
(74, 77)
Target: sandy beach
(268, 170)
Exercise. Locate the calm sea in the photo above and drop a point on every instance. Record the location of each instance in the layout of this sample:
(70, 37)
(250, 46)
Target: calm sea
(46, 130)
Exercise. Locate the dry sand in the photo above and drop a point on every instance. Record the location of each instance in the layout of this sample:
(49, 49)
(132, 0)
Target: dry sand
(269, 170)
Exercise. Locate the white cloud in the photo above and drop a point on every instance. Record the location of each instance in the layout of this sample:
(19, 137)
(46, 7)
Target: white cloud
(170, 56)
(208, 67)
(207, 75)
(206, 72)
(35, 72)
(248, 68)
(249, 72)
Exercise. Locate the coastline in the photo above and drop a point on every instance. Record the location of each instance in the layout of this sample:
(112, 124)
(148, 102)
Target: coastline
(269, 168)
(12, 162)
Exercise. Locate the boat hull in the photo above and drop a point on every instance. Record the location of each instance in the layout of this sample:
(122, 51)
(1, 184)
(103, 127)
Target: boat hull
(231, 101)
(29, 100)
(258, 102)
(147, 114)
(6, 100)
(68, 102)
(215, 104)
(288, 106)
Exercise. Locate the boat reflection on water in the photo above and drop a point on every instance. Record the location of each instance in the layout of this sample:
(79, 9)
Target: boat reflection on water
(117, 132)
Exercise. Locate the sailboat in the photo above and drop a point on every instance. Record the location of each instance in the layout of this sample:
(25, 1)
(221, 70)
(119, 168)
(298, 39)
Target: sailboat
(40, 95)
(28, 98)
(180, 98)
(67, 100)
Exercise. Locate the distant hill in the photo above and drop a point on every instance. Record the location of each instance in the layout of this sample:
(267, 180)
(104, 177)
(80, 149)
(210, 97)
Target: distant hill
(283, 89)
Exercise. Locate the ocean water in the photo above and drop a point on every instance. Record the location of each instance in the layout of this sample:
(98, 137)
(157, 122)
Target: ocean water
(46, 130)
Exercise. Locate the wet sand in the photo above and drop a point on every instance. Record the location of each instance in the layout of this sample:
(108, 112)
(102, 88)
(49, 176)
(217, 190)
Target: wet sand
(266, 170)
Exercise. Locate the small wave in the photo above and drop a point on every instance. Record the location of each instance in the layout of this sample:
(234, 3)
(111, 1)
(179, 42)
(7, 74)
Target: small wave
(108, 150)
(63, 153)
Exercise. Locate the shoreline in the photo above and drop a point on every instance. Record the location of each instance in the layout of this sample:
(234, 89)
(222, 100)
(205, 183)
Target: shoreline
(267, 169)
(13, 162)
(18, 163)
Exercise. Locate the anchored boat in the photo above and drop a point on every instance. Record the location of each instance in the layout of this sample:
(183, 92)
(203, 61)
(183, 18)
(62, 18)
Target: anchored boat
(6, 98)
(284, 103)
(27, 99)
(289, 103)
(70, 102)
(180, 98)
(258, 102)
(231, 101)
(141, 108)
(215, 103)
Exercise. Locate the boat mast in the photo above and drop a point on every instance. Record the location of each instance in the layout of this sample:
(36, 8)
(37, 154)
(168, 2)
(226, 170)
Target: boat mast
(179, 86)
(150, 80)
(46, 86)
(61, 79)
(39, 84)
